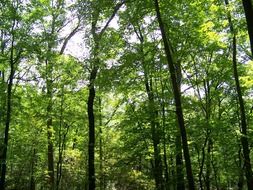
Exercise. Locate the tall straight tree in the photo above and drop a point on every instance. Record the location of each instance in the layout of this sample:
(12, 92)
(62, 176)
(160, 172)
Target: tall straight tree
(243, 120)
(10, 31)
(97, 35)
(248, 9)
(51, 43)
(153, 114)
(53, 27)
(177, 97)
(13, 65)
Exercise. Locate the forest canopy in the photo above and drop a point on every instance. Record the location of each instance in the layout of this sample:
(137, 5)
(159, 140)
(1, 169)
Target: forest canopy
(126, 94)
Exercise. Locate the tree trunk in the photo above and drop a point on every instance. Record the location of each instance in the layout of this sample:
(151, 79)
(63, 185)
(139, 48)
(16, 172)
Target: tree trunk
(156, 143)
(101, 156)
(50, 146)
(172, 172)
(166, 168)
(243, 122)
(92, 92)
(155, 132)
(244, 137)
(60, 143)
(179, 164)
(153, 117)
(248, 9)
(7, 126)
(177, 98)
(240, 165)
(208, 164)
(49, 94)
(2, 93)
(91, 118)
(50, 154)
(8, 114)
(155, 136)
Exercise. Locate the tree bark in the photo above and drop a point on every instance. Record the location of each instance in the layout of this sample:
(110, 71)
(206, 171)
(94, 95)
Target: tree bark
(203, 161)
(240, 165)
(244, 137)
(8, 113)
(61, 143)
(248, 9)
(50, 146)
(243, 120)
(165, 160)
(156, 139)
(91, 118)
(179, 163)
(7, 126)
(208, 164)
(92, 92)
(153, 117)
(177, 98)
(49, 94)
(101, 155)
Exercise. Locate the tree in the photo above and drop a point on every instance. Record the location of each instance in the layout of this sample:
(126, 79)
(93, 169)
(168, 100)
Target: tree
(95, 65)
(14, 36)
(177, 98)
(243, 122)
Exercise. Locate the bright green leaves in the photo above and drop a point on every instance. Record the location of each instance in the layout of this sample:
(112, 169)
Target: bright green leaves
(208, 33)
(67, 68)
(247, 81)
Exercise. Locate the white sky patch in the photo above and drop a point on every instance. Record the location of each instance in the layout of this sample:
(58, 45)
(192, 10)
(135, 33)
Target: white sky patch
(186, 89)
(115, 23)
(76, 46)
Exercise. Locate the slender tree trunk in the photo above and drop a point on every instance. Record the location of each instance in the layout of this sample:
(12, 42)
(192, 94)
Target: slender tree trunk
(243, 122)
(49, 94)
(50, 154)
(101, 156)
(153, 116)
(248, 9)
(92, 92)
(2, 90)
(166, 168)
(91, 118)
(244, 137)
(201, 170)
(61, 143)
(155, 137)
(156, 143)
(179, 163)
(50, 146)
(202, 162)
(60, 161)
(7, 126)
(8, 114)
(177, 98)
(179, 157)
(215, 173)
(155, 132)
(240, 179)
(172, 172)
(208, 164)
